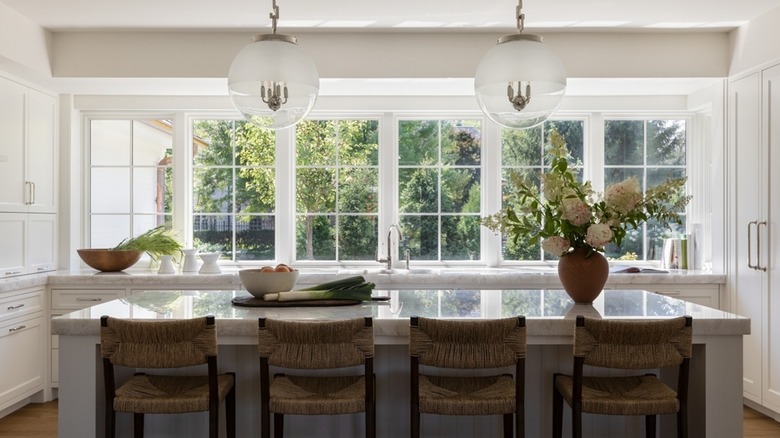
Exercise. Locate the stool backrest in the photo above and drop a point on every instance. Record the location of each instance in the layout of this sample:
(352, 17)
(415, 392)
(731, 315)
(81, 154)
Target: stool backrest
(158, 343)
(316, 344)
(633, 344)
(467, 344)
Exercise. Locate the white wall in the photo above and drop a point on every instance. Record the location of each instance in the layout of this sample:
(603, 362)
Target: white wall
(387, 55)
(755, 43)
(24, 46)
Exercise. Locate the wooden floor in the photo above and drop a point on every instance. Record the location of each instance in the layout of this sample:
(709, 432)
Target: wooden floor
(39, 420)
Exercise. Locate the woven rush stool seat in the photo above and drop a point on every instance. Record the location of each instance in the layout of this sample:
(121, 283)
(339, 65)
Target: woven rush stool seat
(628, 345)
(468, 344)
(314, 345)
(158, 345)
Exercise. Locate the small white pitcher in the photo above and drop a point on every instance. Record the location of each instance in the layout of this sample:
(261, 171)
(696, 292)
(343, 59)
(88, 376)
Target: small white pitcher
(190, 260)
(166, 265)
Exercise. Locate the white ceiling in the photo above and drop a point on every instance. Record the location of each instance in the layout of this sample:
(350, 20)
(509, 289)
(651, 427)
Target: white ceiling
(400, 15)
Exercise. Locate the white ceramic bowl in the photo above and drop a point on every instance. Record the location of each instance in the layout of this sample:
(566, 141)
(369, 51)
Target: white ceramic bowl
(260, 283)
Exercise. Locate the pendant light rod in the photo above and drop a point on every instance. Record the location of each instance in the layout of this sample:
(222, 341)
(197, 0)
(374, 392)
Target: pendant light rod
(274, 16)
(520, 16)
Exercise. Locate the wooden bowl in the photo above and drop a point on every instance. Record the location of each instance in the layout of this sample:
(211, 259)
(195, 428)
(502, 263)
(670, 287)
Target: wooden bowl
(109, 260)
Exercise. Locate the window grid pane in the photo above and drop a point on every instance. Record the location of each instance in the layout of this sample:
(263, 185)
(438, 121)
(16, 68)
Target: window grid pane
(337, 189)
(131, 178)
(652, 150)
(234, 189)
(439, 188)
(524, 156)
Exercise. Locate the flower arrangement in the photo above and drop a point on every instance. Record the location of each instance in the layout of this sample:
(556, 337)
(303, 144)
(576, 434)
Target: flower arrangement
(567, 214)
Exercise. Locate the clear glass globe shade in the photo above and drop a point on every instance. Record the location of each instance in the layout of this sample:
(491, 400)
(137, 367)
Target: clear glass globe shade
(273, 60)
(516, 60)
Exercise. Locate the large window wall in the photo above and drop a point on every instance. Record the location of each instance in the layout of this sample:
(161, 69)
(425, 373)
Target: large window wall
(325, 192)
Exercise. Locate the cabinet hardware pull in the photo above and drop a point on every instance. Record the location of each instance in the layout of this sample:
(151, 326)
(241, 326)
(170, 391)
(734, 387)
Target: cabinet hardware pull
(21, 327)
(12, 272)
(33, 192)
(670, 292)
(758, 246)
(749, 244)
(89, 299)
(18, 306)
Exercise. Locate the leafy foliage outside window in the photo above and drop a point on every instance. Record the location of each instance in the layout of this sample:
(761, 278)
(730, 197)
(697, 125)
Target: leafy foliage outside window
(234, 189)
(653, 151)
(439, 172)
(524, 156)
(337, 189)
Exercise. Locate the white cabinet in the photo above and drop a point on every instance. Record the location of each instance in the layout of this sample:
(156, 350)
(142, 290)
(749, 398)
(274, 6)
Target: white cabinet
(29, 242)
(67, 300)
(28, 176)
(754, 209)
(22, 332)
(28, 153)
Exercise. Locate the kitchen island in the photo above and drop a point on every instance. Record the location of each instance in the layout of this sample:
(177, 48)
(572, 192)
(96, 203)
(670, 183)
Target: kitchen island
(716, 384)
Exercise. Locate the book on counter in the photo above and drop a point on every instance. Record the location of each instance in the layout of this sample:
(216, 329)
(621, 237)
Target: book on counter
(627, 269)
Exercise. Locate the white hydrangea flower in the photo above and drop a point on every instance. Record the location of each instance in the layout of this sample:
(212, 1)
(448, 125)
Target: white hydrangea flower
(598, 235)
(575, 211)
(556, 245)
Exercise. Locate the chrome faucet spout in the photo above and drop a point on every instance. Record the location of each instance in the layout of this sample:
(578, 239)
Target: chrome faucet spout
(390, 241)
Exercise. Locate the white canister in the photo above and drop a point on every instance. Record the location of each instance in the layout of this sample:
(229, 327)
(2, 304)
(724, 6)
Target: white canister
(210, 265)
(166, 265)
(190, 260)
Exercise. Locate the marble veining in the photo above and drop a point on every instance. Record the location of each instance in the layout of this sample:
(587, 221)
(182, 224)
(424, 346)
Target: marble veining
(391, 326)
(449, 277)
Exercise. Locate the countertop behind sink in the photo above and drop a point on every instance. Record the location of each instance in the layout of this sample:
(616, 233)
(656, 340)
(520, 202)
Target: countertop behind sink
(459, 277)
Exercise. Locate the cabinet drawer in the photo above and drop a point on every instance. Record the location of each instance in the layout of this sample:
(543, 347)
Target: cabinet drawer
(20, 303)
(22, 362)
(76, 299)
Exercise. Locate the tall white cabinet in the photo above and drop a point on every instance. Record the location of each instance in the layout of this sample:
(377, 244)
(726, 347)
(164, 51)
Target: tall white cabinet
(28, 175)
(754, 206)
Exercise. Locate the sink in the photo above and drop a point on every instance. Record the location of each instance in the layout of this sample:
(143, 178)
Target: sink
(386, 271)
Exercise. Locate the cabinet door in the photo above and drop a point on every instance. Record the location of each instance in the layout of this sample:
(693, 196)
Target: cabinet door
(12, 195)
(771, 115)
(747, 284)
(13, 252)
(41, 151)
(21, 359)
(41, 242)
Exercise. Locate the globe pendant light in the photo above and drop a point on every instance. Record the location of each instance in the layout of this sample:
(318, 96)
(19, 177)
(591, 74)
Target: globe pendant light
(272, 82)
(520, 82)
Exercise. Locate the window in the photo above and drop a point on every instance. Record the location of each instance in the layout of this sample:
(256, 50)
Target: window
(230, 177)
(439, 168)
(131, 178)
(524, 155)
(337, 189)
(652, 151)
(233, 189)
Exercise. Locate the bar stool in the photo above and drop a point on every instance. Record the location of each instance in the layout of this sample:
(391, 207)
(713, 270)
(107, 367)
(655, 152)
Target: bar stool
(631, 345)
(164, 344)
(315, 345)
(468, 344)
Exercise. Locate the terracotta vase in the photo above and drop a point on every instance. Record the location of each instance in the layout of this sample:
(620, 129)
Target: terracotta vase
(582, 277)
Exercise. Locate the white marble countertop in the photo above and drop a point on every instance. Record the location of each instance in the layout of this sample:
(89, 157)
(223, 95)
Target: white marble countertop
(487, 278)
(548, 313)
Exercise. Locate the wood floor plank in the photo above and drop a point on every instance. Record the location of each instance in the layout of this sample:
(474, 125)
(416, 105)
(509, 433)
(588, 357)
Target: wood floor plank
(39, 420)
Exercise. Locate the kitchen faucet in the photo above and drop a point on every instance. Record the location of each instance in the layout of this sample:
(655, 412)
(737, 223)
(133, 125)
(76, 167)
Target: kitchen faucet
(389, 259)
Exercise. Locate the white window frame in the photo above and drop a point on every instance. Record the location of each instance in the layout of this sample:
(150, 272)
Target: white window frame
(388, 137)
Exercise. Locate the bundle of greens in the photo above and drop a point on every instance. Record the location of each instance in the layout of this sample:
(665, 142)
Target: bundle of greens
(155, 242)
(350, 288)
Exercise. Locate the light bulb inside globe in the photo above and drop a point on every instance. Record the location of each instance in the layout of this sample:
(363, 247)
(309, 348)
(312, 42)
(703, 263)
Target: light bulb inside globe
(520, 82)
(272, 82)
